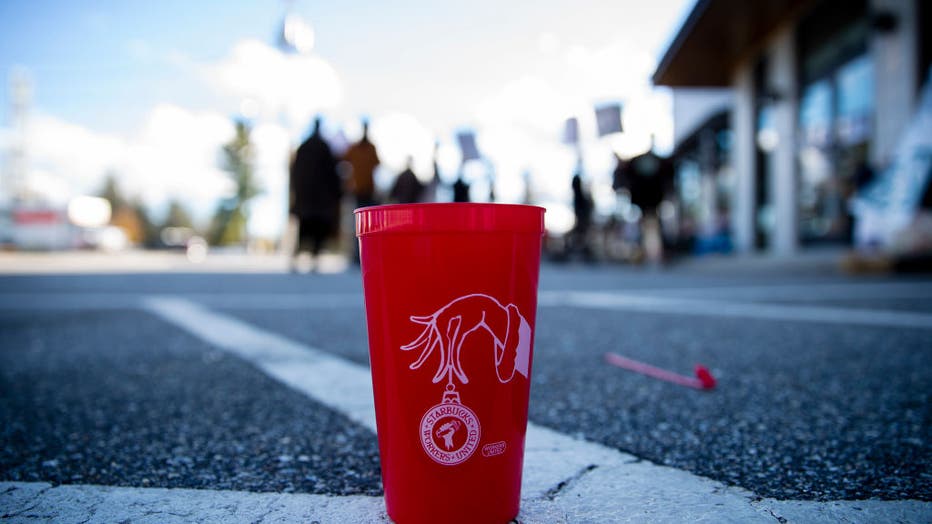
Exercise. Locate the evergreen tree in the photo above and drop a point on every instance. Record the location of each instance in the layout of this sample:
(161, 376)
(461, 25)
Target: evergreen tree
(130, 217)
(112, 193)
(178, 216)
(232, 216)
(150, 238)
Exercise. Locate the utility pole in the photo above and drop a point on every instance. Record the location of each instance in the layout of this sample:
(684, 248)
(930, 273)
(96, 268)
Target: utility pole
(13, 185)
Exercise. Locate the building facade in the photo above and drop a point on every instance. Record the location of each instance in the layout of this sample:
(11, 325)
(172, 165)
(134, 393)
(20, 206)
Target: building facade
(821, 92)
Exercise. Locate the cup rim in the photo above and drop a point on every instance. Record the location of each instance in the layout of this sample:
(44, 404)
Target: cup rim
(460, 217)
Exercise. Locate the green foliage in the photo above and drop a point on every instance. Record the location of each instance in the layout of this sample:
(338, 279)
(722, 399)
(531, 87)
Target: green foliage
(150, 231)
(229, 223)
(178, 216)
(129, 215)
(112, 192)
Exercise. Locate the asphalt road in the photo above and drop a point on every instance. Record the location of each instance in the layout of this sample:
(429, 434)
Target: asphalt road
(825, 397)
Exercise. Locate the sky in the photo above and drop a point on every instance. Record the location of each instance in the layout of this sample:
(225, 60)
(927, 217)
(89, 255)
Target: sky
(149, 90)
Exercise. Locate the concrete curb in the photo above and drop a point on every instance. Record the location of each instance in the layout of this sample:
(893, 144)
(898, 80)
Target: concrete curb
(598, 498)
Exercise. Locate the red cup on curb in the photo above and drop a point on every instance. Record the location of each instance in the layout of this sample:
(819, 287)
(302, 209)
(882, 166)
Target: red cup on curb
(451, 299)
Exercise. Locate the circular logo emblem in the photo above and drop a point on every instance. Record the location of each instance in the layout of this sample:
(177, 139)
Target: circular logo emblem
(450, 433)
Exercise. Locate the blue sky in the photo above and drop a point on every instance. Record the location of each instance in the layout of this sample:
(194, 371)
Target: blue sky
(102, 64)
(117, 75)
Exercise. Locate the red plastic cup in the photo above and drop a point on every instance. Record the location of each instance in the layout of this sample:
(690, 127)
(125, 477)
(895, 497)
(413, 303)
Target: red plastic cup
(451, 298)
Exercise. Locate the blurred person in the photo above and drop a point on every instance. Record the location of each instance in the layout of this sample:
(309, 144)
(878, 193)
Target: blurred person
(619, 180)
(490, 170)
(582, 209)
(314, 194)
(460, 189)
(362, 158)
(407, 189)
(646, 177)
(430, 192)
(528, 197)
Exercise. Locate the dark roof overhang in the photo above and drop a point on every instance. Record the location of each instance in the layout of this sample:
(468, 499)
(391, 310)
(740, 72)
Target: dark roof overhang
(717, 36)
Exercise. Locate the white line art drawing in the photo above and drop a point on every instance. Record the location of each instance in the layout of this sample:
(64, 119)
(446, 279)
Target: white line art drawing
(444, 333)
(446, 330)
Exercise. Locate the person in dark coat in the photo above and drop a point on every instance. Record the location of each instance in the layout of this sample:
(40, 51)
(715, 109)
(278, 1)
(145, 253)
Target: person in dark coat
(407, 188)
(647, 177)
(582, 209)
(460, 188)
(315, 191)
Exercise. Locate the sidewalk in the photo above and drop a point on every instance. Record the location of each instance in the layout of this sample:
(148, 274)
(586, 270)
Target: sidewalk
(636, 500)
(139, 261)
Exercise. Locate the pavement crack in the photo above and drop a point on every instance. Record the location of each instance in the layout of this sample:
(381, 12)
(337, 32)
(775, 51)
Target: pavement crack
(92, 512)
(780, 519)
(25, 511)
(153, 512)
(552, 493)
(269, 509)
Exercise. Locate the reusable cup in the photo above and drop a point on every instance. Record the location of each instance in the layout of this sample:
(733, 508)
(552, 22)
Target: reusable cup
(451, 297)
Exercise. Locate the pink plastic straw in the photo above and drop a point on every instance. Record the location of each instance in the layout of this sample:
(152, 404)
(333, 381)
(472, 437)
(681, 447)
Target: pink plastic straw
(703, 379)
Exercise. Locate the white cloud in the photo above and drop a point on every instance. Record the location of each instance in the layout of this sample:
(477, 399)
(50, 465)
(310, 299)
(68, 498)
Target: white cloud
(529, 103)
(73, 154)
(177, 155)
(520, 126)
(398, 136)
(282, 85)
(269, 210)
(548, 42)
(174, 155)
(617, 70)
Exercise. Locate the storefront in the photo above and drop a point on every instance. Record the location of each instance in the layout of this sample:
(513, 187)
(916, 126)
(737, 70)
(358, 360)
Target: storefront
(704, 185)
(822, 93)
(836, 108)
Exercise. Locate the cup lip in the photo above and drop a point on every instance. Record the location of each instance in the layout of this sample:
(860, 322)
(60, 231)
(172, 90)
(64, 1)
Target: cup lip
(444, 204)
(460, 217)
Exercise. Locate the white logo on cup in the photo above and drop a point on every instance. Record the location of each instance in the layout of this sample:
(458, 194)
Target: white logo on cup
(450, 431)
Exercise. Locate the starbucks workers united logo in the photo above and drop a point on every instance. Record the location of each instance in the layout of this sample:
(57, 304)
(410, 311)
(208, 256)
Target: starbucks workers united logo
(450, 431)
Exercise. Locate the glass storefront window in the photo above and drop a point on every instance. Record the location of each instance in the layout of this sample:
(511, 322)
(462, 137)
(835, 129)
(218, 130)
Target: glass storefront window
(704, 185)
(815, 113)
(855, 100)
(836, 125)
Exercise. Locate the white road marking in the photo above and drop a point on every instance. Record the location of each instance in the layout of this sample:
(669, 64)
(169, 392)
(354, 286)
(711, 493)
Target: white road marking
(804, 292)
(84, 300)
(333, 381)
(597, 498)
(39, 501)
(565, 479)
